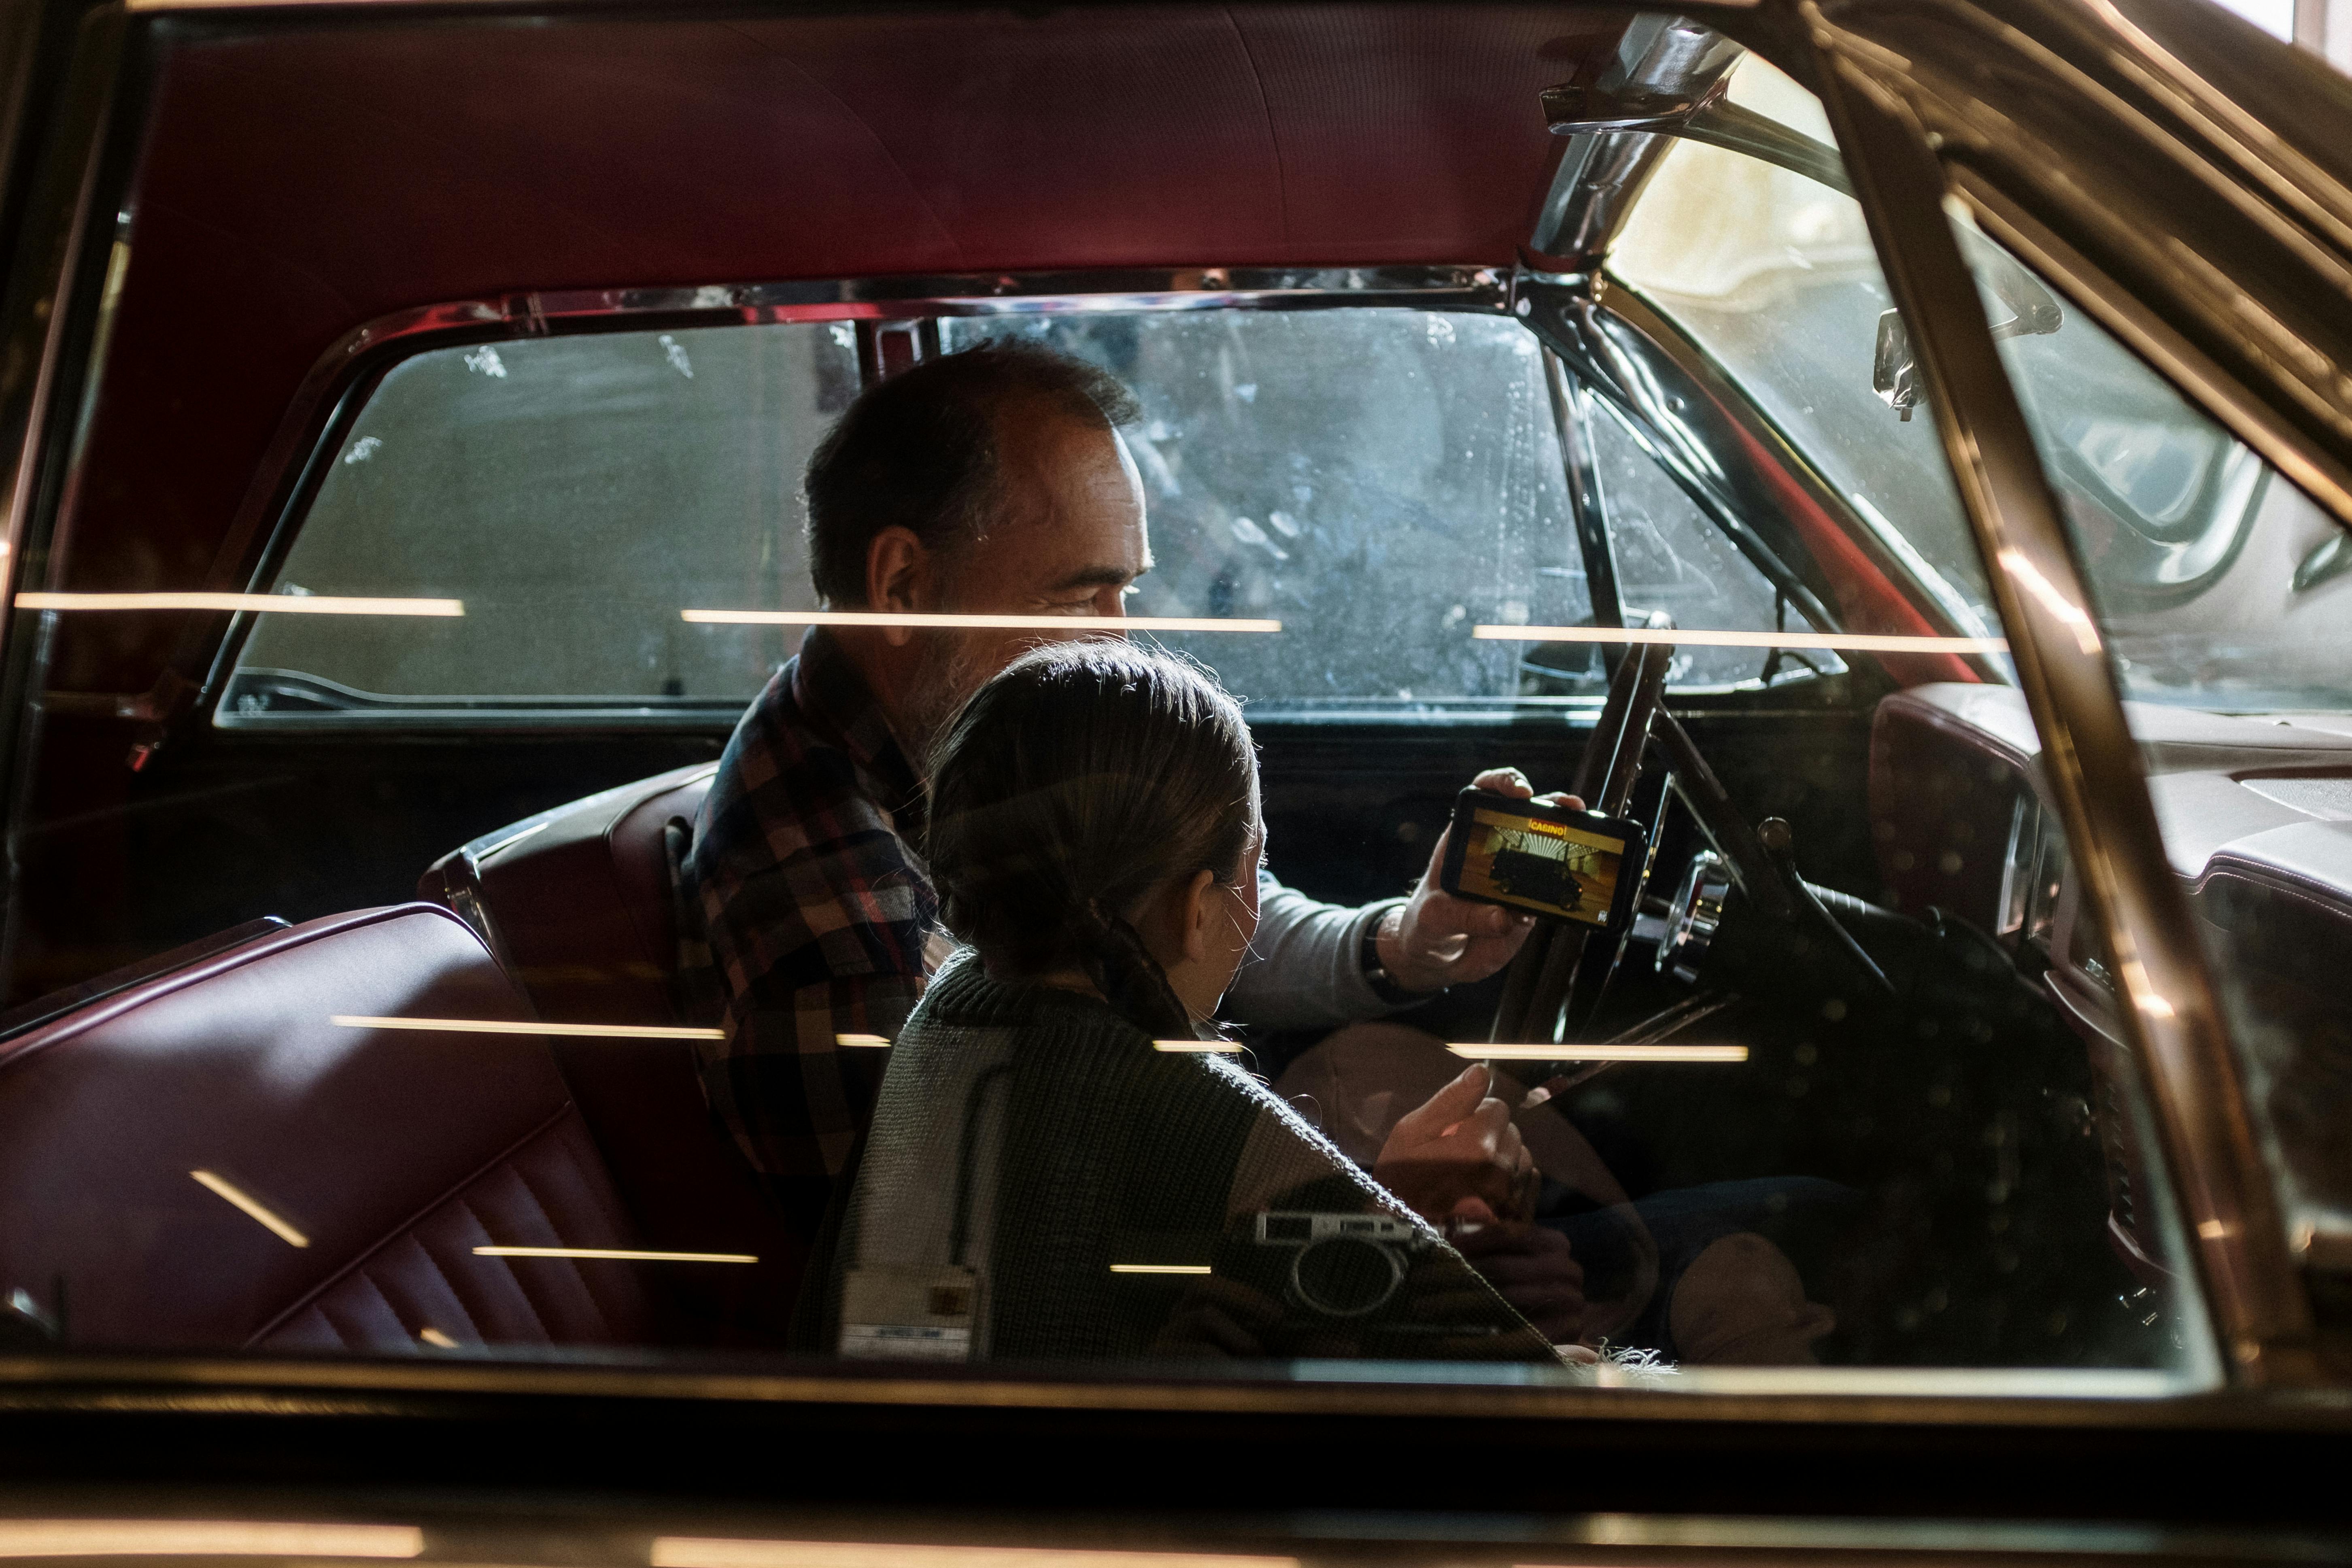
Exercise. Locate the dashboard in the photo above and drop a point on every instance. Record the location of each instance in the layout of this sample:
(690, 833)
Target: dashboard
(2256, 816)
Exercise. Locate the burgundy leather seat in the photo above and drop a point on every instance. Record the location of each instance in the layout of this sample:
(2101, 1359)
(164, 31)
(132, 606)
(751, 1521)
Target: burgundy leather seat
(385, 1157)
(579, 903)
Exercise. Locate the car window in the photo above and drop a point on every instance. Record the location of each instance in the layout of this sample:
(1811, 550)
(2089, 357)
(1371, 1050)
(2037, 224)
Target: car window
(1296, 466)
(1670, 558)
(2224, 616)
(1772, 273)
(567, 941)
(1304, 465)
(573, 494)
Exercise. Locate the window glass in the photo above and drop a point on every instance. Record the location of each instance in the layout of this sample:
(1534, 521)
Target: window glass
(575, 494)
(2220, 580)
(2226, 620)
(1772, 274)
(668, 992)
(1671, 558)
(1306, 466)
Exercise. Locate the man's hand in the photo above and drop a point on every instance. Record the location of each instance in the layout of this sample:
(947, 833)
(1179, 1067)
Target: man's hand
(1460, 1148)
(1219, 1318)
(1437, 940)
(1530, 1266)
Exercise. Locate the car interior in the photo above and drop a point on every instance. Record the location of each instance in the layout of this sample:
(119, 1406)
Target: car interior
(255, 851)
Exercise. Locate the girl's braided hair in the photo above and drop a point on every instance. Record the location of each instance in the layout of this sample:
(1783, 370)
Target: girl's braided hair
(1084, 776)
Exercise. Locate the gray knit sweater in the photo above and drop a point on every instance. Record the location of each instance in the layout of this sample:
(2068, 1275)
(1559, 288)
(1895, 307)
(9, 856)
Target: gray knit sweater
(1040, 1184)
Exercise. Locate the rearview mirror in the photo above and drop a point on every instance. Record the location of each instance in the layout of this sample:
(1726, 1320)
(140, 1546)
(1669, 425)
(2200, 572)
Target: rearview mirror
(1636, 106)
(1895, 374)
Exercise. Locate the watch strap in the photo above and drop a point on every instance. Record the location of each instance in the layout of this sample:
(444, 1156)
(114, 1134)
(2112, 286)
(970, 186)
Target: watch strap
(1376, 975)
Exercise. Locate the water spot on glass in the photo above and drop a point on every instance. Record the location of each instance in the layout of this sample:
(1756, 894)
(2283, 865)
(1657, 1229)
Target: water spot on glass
(1302, 494)
(1441, 330)
(363, 448)
(844, 336)
(675, 351)
(1246, 530)
(484, 360)
(1512, 612)
(1284, 523)
(1246, 391)
(1456, 615)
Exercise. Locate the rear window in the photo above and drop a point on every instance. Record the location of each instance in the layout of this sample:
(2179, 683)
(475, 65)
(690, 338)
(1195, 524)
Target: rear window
(1379, 481)
(573, 494)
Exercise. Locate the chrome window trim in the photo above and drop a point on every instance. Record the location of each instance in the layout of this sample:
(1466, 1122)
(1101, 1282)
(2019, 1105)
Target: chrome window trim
(332, 394)
(2170, 1011)
(2011, 1396)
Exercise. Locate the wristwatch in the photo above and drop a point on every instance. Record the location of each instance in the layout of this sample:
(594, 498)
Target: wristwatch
(1376, 975)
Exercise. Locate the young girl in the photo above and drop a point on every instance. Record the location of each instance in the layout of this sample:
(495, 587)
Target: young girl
(1061, 1164)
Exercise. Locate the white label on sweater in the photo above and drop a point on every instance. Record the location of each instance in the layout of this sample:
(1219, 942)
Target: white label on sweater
(896, 1312)
(904, 1342)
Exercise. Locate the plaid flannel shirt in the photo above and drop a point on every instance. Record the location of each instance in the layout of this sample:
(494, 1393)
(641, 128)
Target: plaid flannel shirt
(821, 920)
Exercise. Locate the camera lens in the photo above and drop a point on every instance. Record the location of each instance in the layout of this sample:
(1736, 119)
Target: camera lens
(1342, 1277)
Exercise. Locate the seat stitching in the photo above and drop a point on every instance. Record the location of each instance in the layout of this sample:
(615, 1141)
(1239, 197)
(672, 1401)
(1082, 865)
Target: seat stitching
(409, 1332)
(454, 1281)
(522, 1287)
(479, 1311)
(606, 1321)
(622, 1223)
(411, 1222)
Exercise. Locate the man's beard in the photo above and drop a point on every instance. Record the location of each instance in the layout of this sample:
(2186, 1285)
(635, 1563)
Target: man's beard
(950, 671)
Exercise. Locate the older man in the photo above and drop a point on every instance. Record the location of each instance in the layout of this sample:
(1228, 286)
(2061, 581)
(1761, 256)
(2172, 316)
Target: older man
(989, 482)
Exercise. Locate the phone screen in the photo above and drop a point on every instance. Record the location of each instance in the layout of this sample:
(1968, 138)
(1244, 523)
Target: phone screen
(1568, 866)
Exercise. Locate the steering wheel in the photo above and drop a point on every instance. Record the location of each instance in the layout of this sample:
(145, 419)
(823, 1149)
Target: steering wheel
(1544, 979)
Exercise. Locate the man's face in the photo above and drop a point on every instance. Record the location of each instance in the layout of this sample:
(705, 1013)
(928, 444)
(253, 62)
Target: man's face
(1071, 540)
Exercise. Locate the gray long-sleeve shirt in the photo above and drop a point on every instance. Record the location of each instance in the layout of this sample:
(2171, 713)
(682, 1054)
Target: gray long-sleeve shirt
(1305, 967)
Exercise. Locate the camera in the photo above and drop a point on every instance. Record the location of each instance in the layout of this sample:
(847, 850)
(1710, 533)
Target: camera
(1343, 1264)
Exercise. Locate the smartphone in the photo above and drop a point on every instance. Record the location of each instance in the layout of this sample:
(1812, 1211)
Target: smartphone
(1563, 865)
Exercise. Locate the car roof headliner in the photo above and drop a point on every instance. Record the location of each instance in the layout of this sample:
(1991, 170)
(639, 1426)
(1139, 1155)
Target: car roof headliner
(297, 184)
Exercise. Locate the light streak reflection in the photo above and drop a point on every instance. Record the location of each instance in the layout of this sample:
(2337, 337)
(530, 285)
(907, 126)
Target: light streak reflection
(2029, 577)
(1201, 1047)
(204, 1538)
(688, 1552)
(1159, 1268)
(252, 1207)
(617, 1254)
(1832, 642)
(520, 1027)
(1569, 1052)
(255, 604)
(977, 623)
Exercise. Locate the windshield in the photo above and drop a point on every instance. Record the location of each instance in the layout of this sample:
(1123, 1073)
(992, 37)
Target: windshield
(2205, 567)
